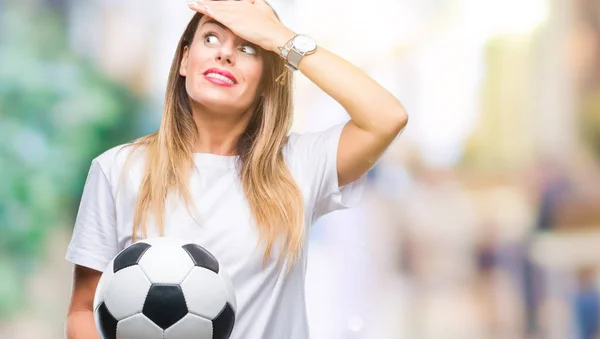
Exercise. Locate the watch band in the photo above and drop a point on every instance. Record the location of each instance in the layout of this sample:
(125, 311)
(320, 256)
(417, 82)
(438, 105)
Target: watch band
(285, 49)
(291, 55)
(293, 59)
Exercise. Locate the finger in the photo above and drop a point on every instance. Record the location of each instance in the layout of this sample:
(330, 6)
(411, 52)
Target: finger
(265, 6)
(200, 7)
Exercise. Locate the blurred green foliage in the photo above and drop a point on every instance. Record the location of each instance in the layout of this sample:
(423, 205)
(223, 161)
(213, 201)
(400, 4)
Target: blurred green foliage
(57, 112)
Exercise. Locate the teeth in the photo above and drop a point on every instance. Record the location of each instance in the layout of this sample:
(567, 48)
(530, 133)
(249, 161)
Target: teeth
(220, 77)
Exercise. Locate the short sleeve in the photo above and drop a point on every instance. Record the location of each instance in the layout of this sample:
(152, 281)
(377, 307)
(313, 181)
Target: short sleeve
(94, 240)
(315, 158)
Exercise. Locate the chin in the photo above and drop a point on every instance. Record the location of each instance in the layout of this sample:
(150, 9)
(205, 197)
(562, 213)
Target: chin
(220, 99)
(219, 102)
(210, 98)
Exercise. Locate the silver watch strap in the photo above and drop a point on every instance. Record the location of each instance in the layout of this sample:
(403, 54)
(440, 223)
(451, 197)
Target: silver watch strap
(293, 59)
(286, 52)
(285, 49)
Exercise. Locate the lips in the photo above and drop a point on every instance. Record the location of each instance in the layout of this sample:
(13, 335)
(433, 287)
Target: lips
(221, 72)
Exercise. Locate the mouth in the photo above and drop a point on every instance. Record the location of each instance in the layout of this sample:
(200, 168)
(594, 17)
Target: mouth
(220, 77)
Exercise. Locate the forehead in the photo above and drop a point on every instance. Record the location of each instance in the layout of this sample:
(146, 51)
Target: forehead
(206, 20)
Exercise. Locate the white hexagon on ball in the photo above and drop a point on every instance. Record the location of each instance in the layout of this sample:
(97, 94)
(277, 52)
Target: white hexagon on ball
(166, 267)
(191, 326)
(139, 327)
(106, 277)
(204, 293)
(127, 292)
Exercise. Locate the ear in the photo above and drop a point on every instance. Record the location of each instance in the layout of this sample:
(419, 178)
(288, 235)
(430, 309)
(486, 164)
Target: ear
(184, 61)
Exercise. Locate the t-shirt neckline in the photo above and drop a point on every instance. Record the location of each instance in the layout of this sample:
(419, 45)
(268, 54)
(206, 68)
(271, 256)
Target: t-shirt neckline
(215, 160)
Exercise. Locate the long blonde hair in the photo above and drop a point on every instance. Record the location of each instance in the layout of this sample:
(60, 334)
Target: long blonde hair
(274, 198)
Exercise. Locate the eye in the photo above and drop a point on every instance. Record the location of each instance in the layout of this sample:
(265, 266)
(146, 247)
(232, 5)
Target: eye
(249, 50)
(211, 38)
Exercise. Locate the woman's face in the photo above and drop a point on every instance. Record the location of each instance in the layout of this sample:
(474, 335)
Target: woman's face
(222, 72)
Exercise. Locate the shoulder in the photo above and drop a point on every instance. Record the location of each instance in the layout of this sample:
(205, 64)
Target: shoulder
(312, 155)
(291, 143)
(305, 141)
(113, 157)
(299, 146)
(293, 149)
(312, 159)
(114, 160)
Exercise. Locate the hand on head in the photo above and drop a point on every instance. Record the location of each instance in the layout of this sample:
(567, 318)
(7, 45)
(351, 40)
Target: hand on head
(252, 20)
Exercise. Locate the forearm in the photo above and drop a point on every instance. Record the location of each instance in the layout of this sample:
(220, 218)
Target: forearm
(370, 106)
(80, 325)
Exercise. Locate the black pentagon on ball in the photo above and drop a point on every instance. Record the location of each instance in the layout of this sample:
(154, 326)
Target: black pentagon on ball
(130, 256)
(223, 323)
(107, 323)
(165, 305)
(202, 257)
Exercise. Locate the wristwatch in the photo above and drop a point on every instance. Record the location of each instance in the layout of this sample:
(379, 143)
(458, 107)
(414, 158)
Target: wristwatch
(296, 48)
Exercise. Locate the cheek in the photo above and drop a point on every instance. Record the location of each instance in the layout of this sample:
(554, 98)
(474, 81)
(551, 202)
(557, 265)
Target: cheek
(254, 75)
(199, 58)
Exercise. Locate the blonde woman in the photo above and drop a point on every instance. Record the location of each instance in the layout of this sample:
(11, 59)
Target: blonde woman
(224, 171)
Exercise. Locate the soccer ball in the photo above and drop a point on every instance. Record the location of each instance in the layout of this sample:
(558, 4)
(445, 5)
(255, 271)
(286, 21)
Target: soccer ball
(165, 289)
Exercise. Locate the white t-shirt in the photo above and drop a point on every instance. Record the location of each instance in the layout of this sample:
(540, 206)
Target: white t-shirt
(271, 305)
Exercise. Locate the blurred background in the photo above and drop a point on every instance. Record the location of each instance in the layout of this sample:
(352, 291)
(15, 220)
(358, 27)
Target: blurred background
(482, 221)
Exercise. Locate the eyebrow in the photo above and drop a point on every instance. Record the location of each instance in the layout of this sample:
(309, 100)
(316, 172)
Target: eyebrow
(213, 21)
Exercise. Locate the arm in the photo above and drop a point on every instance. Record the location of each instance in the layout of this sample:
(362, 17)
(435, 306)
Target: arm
(377, 117)
(80, 317)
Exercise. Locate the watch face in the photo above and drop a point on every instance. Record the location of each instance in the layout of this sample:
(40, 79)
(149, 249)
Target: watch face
(304, 43)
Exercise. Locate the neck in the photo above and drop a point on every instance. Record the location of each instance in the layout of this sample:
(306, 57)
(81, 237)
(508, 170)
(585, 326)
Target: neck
(218, 133)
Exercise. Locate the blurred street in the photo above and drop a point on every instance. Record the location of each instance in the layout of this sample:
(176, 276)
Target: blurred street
(481, 222)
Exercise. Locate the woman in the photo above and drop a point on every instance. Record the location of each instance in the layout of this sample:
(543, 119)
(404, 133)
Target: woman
(222, 170)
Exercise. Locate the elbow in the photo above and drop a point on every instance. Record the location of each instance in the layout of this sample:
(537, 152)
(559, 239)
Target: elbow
(389, 123)
(402, 120)
(398, 121)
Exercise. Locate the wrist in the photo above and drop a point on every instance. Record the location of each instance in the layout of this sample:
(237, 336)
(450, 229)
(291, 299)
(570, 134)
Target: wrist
(279, 38)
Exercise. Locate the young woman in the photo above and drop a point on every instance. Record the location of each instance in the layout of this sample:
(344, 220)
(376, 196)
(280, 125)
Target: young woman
(224, 171)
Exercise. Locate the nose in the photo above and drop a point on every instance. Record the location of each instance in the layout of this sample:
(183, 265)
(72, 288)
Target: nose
(226, 54)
